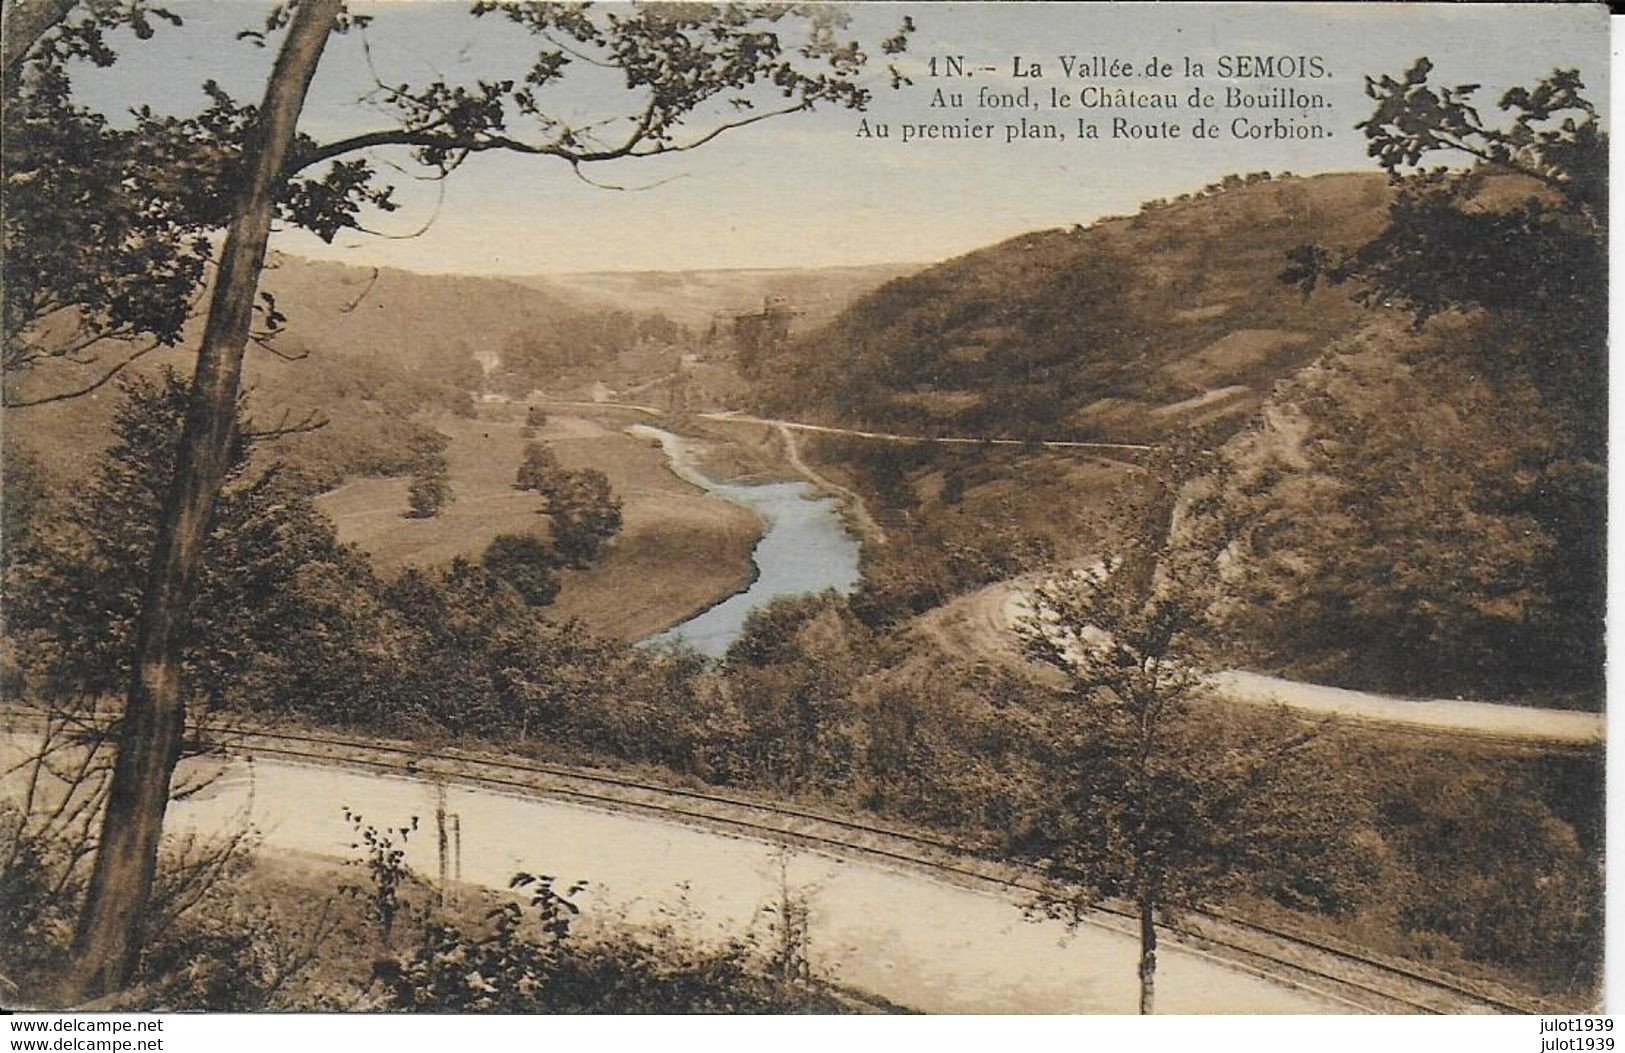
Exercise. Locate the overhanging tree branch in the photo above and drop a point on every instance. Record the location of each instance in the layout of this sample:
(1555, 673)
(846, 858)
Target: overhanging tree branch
(633, 146)
(311, 421)
(11, 402)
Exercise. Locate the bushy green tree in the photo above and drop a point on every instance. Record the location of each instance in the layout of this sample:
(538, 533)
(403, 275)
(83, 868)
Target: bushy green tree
(428, 493)
(430, 489)
(791, 675)
(525, 562)
(476, 657)
(1448, 244)
(581, 506)
(584, 513)
(537, 468)
(282, 606)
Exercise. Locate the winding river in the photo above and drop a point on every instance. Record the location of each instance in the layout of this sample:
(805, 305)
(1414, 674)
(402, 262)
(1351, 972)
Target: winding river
(804, 548)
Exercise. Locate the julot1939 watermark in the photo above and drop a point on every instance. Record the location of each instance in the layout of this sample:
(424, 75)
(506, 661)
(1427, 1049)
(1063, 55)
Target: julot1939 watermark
(1566, 1033)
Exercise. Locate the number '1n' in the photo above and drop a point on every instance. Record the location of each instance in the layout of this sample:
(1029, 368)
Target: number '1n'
(946, 66)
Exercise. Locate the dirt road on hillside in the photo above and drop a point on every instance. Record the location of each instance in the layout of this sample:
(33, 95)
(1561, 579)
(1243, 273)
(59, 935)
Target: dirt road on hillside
(984, 623)
(866, 524)
(952, 440)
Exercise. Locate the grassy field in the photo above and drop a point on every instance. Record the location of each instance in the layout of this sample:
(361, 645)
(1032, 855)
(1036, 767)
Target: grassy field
(679, 549)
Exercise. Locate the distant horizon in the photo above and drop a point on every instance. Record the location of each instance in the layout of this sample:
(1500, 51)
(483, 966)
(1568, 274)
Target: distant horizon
(769, 268)
(518, 275)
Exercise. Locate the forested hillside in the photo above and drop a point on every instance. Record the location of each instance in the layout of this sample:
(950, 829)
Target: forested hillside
(1408, 487)
(1114, 330)
(368, 350)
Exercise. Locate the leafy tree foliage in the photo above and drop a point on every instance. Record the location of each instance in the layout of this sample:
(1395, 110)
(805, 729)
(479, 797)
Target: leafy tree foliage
(1520, 231)
(1530, 254)
(383, 860)
(356, 438)
(477, 658)
(107, 227)
(1414, 527)
(1481, 564)
(581, 506)
(680, 64)
(1153, 804)
(536, 961)
(792, 672)
(430, 489)
(77, 590)
(585, 513)
(538, 467)
(25, 506)
(1496, 870)
(525, 562)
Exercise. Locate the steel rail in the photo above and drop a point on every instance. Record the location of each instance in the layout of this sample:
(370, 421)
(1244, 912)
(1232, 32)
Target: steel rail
(423, 763)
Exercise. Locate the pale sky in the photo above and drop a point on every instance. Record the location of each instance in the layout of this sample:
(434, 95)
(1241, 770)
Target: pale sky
(806, 190)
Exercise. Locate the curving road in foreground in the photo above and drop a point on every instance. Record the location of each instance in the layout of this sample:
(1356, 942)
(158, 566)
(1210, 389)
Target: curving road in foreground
(893, 914)
(917, 942)
(902, 915)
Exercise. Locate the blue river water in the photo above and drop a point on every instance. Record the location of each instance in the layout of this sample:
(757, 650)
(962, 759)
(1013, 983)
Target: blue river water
(804, 547)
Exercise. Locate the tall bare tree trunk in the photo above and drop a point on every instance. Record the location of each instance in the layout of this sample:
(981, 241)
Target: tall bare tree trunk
(21, 25)
(110, 926)
(1148, 959)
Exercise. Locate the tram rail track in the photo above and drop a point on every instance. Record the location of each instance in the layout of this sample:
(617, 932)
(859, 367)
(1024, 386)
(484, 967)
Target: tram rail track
(1346, 975)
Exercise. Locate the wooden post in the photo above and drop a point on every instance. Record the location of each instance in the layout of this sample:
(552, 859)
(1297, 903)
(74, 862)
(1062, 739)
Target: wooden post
(457, 848)
(444, 841)
(1148, 959)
